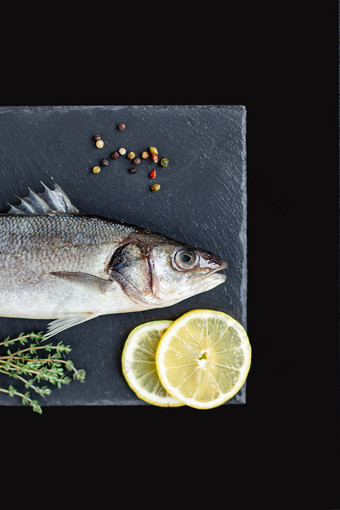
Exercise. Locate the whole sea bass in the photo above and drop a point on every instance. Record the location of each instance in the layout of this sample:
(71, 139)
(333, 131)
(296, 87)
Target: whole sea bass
(58, 263)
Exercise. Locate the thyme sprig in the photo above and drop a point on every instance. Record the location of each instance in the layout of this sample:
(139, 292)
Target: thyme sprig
(34, 364)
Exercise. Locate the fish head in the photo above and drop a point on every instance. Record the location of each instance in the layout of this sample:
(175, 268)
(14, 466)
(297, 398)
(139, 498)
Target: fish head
(181, 271)
(161, 272)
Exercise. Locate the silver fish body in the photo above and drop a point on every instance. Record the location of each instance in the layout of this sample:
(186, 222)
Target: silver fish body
(57, 263)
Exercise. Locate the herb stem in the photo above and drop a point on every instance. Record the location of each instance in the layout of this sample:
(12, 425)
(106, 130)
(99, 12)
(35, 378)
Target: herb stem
(17, 393)
(16, 339)
(35, 348)
(25, 398)
(33, 372)
(69, 365)
(21, 379)
(28, 368)
(47, 360)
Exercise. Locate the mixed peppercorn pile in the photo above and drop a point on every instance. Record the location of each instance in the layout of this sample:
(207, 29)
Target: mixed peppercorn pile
(151, 153)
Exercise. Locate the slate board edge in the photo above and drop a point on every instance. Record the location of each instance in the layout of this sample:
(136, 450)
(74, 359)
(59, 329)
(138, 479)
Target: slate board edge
(243, 289)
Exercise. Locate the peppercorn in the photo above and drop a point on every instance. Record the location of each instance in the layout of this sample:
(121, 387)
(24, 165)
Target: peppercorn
(96, 137)
(105, 162)
(164, 162)
(99, 144)
(96, 169)
(153, 150)
(136, 161)
(145, 155)
(114, 155)
(152, 174)
(121, 127)
(133, 170)
(131, 155)
(155, 158)
(122, 151)
(155, 187)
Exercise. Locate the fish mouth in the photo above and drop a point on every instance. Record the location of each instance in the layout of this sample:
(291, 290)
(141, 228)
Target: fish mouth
(216, 264)
(208, 283)
(214, 277)
(223, 265)
(211, 262)
(211, 280)
(219, 266)
(217, 279)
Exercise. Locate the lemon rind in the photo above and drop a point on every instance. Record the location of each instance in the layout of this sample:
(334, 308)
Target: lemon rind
(132, 382)
(224, 397)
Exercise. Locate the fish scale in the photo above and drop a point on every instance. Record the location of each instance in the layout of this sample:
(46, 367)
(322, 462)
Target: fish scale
(58, 263)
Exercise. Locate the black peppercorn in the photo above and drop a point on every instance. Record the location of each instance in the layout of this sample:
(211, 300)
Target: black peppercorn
(121, 127)
(104, 162)
(133, 170)
(136, 161)
(114, 155)
(96, 137)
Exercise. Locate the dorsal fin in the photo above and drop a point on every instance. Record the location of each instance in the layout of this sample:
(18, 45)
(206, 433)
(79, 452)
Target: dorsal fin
(48, 201)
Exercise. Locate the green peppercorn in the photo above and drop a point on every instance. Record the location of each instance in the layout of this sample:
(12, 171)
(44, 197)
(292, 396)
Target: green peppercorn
(155, 187)
(96, 169)
(164, 162)
(131, 155)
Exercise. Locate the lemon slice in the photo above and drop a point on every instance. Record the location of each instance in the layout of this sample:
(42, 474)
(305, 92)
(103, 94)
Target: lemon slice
(139, 365)
(203, 358)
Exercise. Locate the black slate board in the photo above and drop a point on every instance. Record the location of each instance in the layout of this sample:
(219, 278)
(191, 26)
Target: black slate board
(202, 201)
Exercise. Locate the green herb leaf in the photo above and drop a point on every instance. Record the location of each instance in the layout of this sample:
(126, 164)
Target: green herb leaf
(35, 363)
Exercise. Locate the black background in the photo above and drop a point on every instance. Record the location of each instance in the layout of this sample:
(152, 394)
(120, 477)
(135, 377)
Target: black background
(281, 449)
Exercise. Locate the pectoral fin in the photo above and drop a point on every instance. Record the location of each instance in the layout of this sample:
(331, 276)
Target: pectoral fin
(90, 282)
(59, 325)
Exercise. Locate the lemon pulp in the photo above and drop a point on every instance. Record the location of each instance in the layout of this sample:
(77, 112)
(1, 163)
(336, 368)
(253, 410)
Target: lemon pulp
(139, 365)
(203, 358)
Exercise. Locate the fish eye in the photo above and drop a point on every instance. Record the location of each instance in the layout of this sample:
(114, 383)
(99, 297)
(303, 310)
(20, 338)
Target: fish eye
(185, 259)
